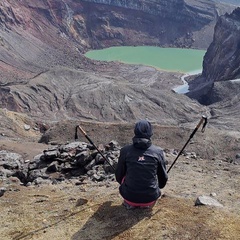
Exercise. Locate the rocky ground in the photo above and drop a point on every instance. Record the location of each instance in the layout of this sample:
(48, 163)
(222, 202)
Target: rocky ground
(82, 208)
(53, 82)
(86, 209)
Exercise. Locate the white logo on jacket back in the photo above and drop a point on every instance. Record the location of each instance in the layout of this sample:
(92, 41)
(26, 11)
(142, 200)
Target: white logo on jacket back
(141, 158)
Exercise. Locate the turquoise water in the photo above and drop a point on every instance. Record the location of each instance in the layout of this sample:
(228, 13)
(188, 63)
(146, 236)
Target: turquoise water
(169, 59)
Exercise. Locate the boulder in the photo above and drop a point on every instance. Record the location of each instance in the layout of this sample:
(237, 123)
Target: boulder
(206, 200)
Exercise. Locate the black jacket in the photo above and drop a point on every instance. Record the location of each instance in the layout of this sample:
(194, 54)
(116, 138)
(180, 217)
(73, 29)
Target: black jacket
(142, 166)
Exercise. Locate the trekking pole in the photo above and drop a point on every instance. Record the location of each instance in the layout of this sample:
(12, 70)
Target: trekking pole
(88, 138)
(204, 121)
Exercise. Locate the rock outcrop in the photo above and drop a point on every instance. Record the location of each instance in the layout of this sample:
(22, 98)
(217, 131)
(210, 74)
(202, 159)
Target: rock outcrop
(128, 22)
(222, 60)
(221, 63)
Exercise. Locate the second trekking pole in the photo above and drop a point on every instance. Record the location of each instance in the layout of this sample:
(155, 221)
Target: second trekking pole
(202, 121)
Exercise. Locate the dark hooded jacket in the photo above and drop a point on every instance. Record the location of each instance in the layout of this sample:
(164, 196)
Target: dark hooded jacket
(141, 169)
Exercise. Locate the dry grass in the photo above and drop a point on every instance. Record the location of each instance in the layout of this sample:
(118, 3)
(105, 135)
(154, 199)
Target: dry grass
(52, 212)
(59, 212)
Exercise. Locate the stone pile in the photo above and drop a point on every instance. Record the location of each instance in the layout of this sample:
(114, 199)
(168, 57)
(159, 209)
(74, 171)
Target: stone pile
(76, 160)
(61, 162)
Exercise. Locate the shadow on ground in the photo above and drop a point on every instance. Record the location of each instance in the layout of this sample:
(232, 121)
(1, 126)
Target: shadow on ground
(110, 221)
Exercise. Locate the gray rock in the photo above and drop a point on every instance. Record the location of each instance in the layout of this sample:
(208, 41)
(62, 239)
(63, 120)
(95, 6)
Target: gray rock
(72, 146)
(98, 177)
(6, 172)
(206, 200)
(82, 158)
(10, 160)
(110, 165)
(193, 155)
(113, 145)
(91, 172)
(99, 159)
(40, 180)
(53, 167)
(81, 201)
(36, 173)
(237, 159)
(213, 194)
(28, 184)
(38, 162)
(51, 154)
(27, 127)
(2, 191)
(90, 165)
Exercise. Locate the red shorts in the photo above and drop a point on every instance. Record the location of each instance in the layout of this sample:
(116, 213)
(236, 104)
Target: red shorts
(150, 204)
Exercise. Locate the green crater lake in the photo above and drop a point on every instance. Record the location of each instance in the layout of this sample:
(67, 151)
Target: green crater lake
(169, 59)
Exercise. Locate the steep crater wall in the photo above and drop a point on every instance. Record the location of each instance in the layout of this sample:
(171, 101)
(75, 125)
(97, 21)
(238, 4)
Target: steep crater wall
(221, 62)
(222, 59)
(162, 23)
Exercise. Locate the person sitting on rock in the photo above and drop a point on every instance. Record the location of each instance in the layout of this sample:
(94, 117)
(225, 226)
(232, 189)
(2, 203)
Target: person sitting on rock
(141, 169)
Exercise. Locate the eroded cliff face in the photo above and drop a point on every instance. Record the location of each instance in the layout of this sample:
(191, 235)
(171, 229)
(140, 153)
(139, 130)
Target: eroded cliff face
(104, 23)
(132, 22)
(221, 63)
(222, 59)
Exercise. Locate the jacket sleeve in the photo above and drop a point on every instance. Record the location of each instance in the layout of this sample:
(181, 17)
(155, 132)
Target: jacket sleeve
(162, 172)
(121, 167)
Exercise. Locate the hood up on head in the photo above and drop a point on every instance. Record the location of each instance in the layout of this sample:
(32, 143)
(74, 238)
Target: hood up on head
(143, 129)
